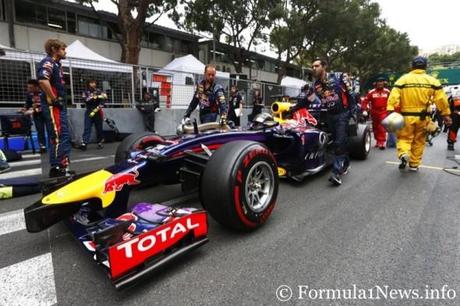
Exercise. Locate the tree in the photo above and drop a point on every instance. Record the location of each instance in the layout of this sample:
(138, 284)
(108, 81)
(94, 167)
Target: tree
(291, 30)
(131, 21)
(241, 23)
(356, 40)
(444, 60)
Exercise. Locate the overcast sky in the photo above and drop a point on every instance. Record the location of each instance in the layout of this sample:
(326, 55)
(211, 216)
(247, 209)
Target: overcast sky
(429, 23)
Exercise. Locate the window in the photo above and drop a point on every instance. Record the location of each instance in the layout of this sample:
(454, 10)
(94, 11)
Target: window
(46, 16)
(2, 10)
(167, 44)
(40, 15)
(71, 23)
(90, 27)
(56, 19)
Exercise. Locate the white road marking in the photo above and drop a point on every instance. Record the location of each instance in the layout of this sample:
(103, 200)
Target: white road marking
(25, 163)
(12, 221)
(427, 167)
(91, 158)
(29, 156)
(29, 282)
(21, 173)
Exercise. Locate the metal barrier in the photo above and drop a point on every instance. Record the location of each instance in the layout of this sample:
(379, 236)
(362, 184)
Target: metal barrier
(123, 83)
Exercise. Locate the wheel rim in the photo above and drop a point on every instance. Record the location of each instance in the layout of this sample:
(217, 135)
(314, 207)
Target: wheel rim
(367, 144)
(259, 186)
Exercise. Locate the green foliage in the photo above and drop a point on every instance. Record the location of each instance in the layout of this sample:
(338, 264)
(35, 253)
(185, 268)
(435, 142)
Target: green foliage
(350, 35)
(238, 23)
(444, 61)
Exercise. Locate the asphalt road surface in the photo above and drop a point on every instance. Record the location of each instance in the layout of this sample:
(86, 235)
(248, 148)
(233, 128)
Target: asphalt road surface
(381, 229)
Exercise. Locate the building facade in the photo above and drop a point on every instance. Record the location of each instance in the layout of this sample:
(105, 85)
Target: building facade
(33, 22)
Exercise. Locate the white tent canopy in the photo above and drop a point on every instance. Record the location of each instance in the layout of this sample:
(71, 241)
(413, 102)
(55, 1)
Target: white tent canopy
(78, 50)
(186, 66)
(92, 60)
(78, 56)
(292, 86)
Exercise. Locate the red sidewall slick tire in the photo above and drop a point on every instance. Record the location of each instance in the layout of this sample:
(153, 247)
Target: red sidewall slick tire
(226, 180)
(136, 141)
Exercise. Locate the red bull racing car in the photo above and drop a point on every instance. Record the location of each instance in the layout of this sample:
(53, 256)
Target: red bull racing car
(236, 172)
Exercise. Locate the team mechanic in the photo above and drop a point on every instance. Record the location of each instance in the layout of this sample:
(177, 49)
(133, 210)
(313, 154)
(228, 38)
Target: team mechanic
(412, 94)
(210, 97)
(377, 98)
(54, 108)
(453, 129)
(94, 99)
(335, 95)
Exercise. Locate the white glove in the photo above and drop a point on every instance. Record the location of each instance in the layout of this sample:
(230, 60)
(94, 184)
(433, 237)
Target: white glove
(365, 114)
(185, 121)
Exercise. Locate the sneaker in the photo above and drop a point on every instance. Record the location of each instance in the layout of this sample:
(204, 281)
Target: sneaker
(335, 179)
(69, 172)
(413, 168)
(346, 170)
(4, 166)
(450, 147)
(100, 145)
(56, 172)
(404, 158)
(82, 146)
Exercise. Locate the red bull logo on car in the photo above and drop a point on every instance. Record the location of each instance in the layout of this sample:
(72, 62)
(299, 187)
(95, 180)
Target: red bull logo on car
(117, 181)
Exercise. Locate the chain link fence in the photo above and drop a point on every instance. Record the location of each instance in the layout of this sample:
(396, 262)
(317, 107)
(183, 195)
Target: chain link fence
(124, 84)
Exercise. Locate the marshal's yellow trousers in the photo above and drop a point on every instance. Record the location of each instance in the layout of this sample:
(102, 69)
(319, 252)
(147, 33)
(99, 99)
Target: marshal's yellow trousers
(411, 139)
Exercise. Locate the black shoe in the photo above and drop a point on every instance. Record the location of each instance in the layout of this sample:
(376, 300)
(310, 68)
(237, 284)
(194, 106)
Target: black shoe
(404, 159)
(450, 147)
(82, 146)
(382, 147)
(4, 166)
(42, 149)
(335, 179)
(57, 172)
(100, 145)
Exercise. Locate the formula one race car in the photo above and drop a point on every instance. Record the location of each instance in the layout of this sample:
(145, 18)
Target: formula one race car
(236, 172)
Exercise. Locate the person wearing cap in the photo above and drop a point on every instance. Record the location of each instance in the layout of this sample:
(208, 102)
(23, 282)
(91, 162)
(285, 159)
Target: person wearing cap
(377, 99)
(412, 94)
(453, 129)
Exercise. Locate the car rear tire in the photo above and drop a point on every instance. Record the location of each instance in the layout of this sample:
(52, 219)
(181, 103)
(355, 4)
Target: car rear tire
(239, 185)
(360, 145)
(136, 141)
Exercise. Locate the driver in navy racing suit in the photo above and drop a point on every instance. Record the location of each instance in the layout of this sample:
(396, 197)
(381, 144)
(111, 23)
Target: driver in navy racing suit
(335, 95)
(53, 105)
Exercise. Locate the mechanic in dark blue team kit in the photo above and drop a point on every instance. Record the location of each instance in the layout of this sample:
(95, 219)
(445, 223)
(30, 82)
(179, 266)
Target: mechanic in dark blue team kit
(94, 99)
(33, 106)
(54, 108)
(235, 104)
(210, 97)
(335, 96)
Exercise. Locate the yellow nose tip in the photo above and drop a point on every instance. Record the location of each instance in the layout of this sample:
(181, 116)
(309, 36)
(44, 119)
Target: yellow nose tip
(281, 171)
